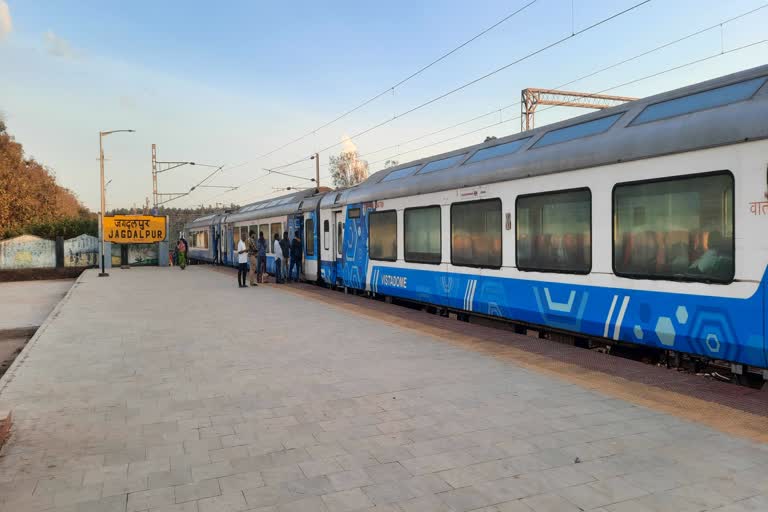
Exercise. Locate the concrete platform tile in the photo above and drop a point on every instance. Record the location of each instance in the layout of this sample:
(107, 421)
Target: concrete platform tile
(153, 498)
(345, 480)
(241, 481)
(197, 490)
(228, 502)
(346, 501)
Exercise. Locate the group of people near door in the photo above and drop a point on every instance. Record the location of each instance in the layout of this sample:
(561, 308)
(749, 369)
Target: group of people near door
(252, 258)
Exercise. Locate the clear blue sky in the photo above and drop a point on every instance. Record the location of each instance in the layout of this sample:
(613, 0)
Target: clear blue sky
(223, 83)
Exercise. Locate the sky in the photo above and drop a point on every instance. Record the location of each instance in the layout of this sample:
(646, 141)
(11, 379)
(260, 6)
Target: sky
(226, 83)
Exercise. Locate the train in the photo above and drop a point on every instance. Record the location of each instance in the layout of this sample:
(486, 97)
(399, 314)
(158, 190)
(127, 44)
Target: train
(641, 224)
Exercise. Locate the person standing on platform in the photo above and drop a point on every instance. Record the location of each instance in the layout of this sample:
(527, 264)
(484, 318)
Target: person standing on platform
(296, 254)
(186, 250)
(182, 254)
(261, 246)
(285, 246)
(242, 262)
(252, 255)
(278, 258)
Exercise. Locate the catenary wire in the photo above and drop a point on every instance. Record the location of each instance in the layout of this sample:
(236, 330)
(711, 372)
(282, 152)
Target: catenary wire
(401, 82)
(476, 80)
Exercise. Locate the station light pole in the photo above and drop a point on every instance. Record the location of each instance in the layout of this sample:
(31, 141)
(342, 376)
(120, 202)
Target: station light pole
(103, 272)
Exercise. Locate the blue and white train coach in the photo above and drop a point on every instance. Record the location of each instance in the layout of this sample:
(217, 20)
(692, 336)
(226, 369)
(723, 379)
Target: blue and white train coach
(214, 237)
(644, 223)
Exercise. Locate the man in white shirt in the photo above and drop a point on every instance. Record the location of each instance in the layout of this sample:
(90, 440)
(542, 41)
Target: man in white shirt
(278, 258)
(242, 262)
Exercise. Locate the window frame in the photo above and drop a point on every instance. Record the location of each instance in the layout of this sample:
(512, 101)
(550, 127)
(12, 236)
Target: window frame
(370, 215)
(501, 232)
(591, 251)
(353, 213)
(307, 250)
(405, 237)
(280, 231)
(326, 234)
(681, 279)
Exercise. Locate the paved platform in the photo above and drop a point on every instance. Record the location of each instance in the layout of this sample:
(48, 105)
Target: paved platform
(168, 390)
(25, 304)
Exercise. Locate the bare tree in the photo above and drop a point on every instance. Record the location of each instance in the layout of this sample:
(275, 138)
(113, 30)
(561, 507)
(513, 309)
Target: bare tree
(347, 169)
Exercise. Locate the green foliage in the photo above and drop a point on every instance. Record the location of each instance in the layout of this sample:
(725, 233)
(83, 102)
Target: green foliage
(347, 169)
(29, 194)
(68, 228)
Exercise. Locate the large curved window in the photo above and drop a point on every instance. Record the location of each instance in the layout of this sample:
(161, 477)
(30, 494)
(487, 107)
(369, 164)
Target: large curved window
(554, 231)
(476, 233)
(382, 235)
(422, 234)
(678, 228)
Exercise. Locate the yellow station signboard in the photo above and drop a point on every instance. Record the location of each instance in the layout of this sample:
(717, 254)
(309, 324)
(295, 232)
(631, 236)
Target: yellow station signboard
(134, 229)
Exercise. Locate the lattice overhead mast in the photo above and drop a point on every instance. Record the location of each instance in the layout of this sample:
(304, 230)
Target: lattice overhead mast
(532, 97)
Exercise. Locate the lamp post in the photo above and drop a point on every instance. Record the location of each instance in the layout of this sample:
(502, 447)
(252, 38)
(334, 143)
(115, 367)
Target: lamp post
(103, 272)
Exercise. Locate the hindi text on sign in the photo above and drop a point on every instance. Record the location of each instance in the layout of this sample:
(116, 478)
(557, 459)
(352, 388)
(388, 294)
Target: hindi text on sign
(134, 229)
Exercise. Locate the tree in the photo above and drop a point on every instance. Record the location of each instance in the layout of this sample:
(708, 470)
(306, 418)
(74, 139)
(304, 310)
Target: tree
(391, 163)
(29, 194)
(347, 169)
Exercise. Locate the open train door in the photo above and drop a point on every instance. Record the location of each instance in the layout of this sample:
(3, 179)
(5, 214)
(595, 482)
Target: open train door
(296, 224)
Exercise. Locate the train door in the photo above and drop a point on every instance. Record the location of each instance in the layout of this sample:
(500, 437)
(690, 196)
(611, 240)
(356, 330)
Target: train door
(327, 247)
(311, 249)
(338, 237)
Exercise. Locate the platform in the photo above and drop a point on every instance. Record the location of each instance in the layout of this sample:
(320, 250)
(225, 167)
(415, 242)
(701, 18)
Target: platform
(165, 390)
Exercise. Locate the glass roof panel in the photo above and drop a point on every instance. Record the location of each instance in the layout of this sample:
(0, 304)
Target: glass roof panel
(700, 101)
(496, 151)
(443, 163)
(401, 173)
(577, 131)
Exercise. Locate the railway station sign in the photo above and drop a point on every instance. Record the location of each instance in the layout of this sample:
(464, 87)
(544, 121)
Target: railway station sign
(134, 229)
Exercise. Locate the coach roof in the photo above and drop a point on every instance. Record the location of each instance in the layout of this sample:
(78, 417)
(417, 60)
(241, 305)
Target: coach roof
(726, 110)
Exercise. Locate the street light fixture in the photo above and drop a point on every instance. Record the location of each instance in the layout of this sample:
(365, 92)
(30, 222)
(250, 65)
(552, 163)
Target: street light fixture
(103, 272)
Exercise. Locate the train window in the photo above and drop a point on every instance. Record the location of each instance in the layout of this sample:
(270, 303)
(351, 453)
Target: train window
(382, 235)
(496, 151)
(577, 131)
(326, 235)
(353, 213)
(401, 173)
(476, 233)
(554, 231)
(422, 235)
(339, 238)
(700, 101)
(444, 163)
(679, 228)
(264, 228)
(277, 229)
(309, 237)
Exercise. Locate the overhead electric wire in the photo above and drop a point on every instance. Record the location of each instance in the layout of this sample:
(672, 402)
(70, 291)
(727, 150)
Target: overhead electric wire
(478, 79)
(653, 75)
(498, 110)
(490, 74)
(579, 79)
(401, 82)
